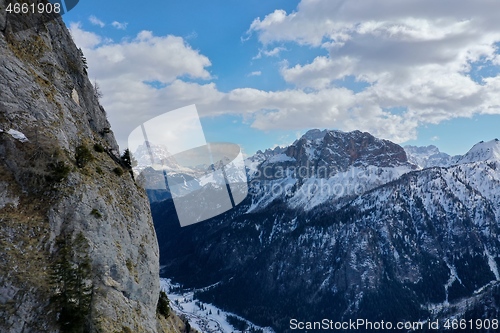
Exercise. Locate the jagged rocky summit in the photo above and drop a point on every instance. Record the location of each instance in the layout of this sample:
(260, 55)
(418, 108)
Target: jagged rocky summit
(324, 166)
(430, 156)
(78, 248)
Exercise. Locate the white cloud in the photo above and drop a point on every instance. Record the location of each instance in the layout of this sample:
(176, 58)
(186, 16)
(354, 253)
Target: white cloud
(256, 73)
(123, 69)
(413, 54)
(119, 26)
(414, 59)
(333, 108)
(82, 38)
(144, 58)
(269, 53)
(95, 21)
(316, 20)
(320, 73)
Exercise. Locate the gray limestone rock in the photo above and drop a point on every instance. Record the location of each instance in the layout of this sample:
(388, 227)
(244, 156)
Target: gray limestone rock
(55, 216)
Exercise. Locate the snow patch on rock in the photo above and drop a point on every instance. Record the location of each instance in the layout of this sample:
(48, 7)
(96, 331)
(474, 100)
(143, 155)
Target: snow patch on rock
(18, 135)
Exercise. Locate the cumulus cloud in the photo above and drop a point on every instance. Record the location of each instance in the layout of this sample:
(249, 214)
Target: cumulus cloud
(320, 73)
(84, 39)
(332, 107)
(125, 70)
(336, 20)
(413, 59)
(416, 55)
(144, 58)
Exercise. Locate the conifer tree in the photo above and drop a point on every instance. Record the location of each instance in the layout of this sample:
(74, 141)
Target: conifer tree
(128, 160)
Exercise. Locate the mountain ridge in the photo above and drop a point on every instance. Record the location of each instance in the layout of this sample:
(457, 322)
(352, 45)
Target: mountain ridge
(420, 245)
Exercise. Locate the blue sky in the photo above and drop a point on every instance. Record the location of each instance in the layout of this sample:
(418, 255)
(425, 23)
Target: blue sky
(263, 72)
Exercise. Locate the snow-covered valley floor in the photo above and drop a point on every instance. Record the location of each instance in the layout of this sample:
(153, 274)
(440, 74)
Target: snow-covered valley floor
(204, 317)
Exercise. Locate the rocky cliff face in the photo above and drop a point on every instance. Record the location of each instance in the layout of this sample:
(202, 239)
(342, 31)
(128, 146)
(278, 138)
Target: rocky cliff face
(324, 166)
(77, 243)
(338, 150)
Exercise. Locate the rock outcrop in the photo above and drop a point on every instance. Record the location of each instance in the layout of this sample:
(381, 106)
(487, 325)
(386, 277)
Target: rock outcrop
(324, 166)
(430, 156)
(77, 243)
(340, 150)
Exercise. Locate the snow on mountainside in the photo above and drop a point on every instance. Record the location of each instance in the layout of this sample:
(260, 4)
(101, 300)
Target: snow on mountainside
(152, 161)
(430, 156)
(149, 154)
(338, 150)
(254, 161)
(483, 151)
(205, 317)
(424, 245)
(325, 166)
(163, 176)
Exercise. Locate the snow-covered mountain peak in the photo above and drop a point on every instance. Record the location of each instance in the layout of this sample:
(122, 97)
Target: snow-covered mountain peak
(482, 151)
(340, 150)
(149, 153)
(315, 134)
(423, 150)
(325, 166)
(429, 156)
